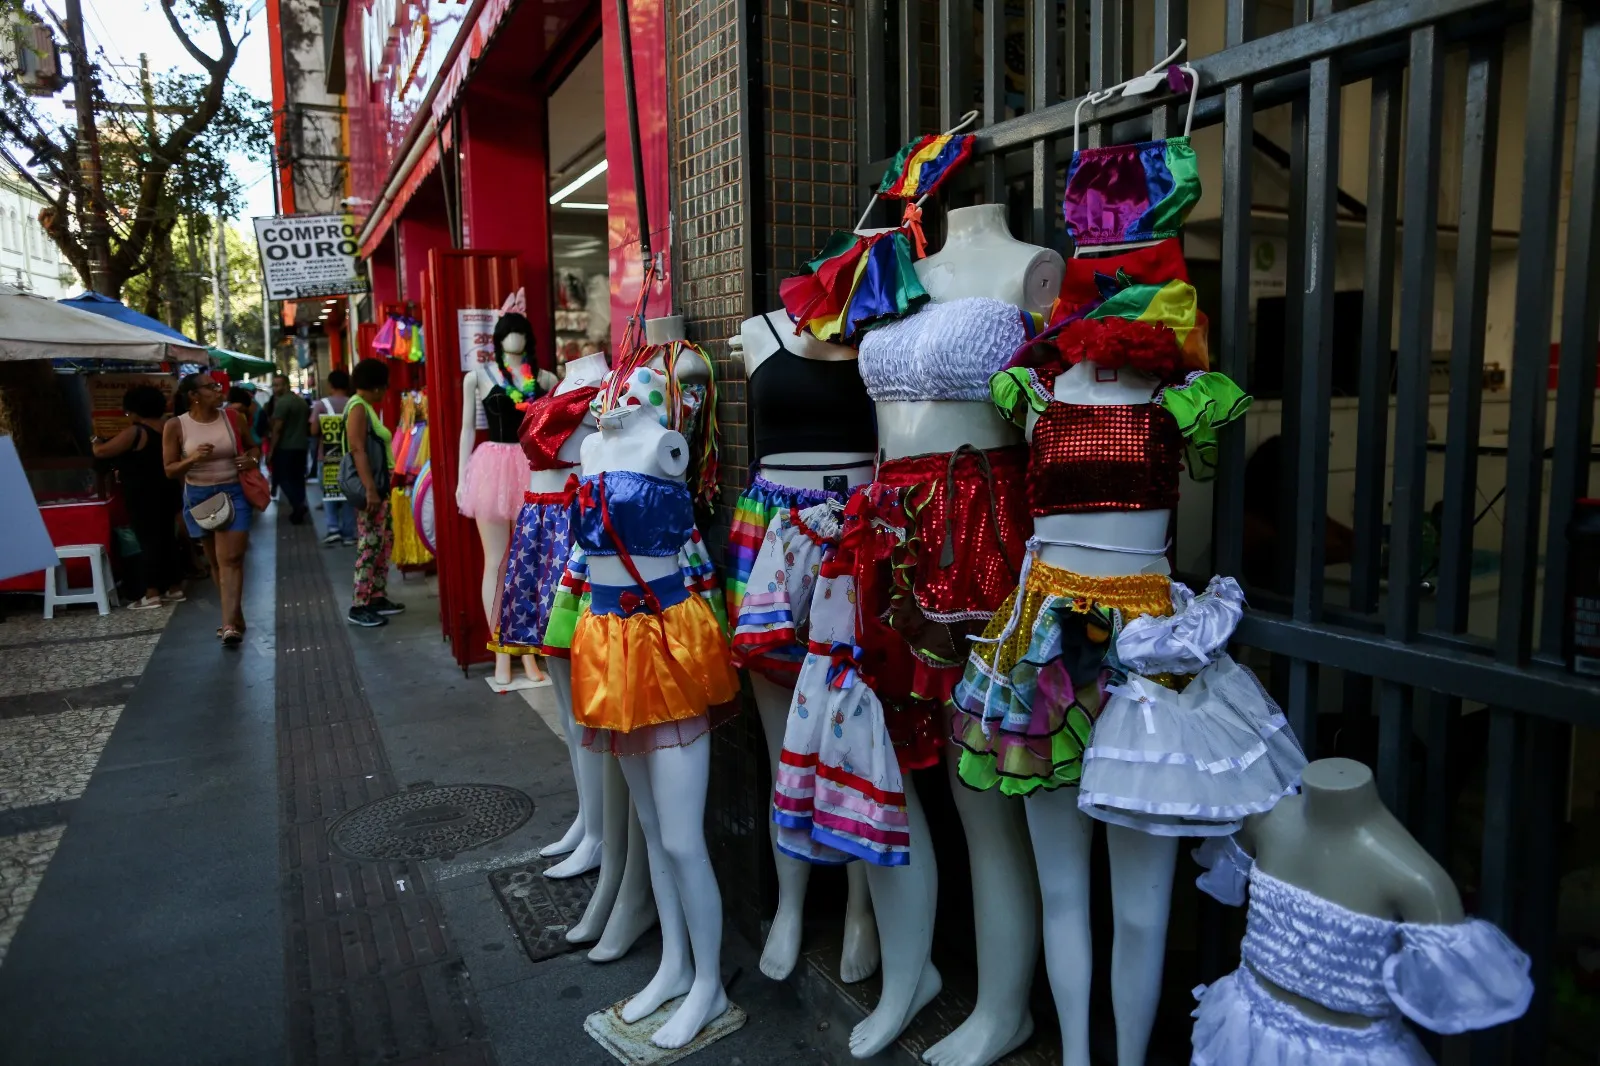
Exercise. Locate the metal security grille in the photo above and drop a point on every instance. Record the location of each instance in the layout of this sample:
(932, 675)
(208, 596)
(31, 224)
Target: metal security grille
(1469, 715)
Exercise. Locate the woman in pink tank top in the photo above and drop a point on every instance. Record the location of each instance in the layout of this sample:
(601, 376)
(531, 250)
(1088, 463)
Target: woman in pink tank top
(202, 449)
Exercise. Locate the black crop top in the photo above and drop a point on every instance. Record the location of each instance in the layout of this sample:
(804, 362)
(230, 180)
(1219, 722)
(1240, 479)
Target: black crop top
(500, 412)
(809, 405)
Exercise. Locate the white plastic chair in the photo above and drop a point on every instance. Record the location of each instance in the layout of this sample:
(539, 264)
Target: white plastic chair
(103, 593)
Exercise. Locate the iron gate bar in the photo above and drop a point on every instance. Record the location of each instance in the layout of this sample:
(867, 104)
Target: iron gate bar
(871, 85)
(1377, 326)
(953, 98)
(1171, 26)
(991, 171)
(1580, 325)
(1042, 80)
(909, 34)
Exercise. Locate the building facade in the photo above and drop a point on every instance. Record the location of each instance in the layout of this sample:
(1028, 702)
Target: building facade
(29, 259)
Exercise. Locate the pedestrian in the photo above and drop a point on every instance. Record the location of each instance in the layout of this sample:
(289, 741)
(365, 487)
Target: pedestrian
(208, 446)
(152, 498)
(374, 532)
(327, 431)
(291, 439)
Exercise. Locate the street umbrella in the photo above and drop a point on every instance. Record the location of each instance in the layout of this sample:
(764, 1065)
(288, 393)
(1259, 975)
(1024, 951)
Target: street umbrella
(32, 327)
(97, 304)
(240, 365)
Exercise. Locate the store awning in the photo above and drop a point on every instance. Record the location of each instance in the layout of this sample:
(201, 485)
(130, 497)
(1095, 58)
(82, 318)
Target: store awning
(33, 327)
(97, 304)
(239, 363)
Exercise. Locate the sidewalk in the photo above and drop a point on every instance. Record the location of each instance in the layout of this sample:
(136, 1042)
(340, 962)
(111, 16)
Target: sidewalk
(194, 910)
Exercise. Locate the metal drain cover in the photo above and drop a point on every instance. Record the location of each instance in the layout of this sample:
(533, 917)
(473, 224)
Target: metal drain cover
(430, 823)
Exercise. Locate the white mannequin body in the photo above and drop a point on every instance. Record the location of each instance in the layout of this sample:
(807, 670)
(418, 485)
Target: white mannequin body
(668, 785)
(979, 258)
(584, 840)
(757, 343)
(1141, 864)
(493, 534)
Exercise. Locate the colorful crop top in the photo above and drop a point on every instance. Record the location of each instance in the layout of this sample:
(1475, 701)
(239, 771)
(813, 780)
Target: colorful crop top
(1446, 977)
(1130, 192)
(653, 516)
(1117, 457)
(549, 422)
(946, 351)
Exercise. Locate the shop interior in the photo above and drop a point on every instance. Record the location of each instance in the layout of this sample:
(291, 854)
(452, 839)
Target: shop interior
(578, 218)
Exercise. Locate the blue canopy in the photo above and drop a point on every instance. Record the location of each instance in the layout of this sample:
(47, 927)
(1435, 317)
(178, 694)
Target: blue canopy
(97, 304)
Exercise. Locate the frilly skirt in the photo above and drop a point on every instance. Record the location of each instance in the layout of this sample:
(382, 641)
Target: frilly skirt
(1239, 1023)
(772, 612)
(496, 478)
(1189, 763)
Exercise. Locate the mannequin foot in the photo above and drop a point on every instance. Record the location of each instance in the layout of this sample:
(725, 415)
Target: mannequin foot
(782, 950)
(885, 1023)
(530, 669)
(568, 842)
(585, 857)
(511, 684)
(699, 1009)
(859, 960)
(624, 928)
(672, 980)
(985, 1037)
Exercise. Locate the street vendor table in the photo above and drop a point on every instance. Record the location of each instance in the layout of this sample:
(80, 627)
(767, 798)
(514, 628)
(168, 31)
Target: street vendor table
(72, 522)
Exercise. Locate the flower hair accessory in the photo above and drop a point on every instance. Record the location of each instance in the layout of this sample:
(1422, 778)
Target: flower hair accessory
(516, 303)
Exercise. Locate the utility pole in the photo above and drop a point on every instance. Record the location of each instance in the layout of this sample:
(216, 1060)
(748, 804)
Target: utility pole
(196, 274)
(216, 276)
(96, 228)
(224, 312)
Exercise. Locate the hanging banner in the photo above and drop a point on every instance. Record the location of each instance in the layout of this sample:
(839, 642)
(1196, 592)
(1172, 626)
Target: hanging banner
(475, 325)
(304, 256)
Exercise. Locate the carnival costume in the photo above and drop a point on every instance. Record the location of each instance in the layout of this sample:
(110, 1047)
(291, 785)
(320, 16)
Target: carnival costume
(1449, 978)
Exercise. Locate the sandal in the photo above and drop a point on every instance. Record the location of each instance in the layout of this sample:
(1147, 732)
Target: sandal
(231, 637)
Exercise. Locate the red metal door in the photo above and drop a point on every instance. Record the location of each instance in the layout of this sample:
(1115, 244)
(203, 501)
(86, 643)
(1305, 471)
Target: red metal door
(454, 281)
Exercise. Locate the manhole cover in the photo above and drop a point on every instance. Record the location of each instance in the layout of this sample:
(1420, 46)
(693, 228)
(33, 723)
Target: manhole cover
(542, 910)
(428, 823)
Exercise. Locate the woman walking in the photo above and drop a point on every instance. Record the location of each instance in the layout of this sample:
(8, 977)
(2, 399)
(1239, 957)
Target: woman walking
(207, 447)
(149, 495)
(374, 531)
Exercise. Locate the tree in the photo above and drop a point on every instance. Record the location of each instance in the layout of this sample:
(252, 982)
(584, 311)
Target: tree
(161, 158)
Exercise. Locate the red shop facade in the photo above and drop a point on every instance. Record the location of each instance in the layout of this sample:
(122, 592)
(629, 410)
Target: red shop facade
(489, 151)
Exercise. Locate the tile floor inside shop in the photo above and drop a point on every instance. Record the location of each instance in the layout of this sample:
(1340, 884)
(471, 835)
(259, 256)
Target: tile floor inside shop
(58, 706)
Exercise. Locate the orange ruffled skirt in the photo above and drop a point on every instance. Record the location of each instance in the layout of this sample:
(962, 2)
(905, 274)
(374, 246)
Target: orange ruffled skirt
(625, 681)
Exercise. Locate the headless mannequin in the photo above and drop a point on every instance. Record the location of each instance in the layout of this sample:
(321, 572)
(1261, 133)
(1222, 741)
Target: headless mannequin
(1141, 864)
(1338, 841)
(584, 839)
(492, 533)
(758, 341)
(668, 785)
(980, 258)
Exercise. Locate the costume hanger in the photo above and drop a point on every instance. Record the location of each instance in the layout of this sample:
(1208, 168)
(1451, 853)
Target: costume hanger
(966, 120)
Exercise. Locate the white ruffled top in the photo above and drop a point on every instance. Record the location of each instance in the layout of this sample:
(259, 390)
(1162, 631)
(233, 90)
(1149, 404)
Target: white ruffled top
(1447, 978)
(1182, 642)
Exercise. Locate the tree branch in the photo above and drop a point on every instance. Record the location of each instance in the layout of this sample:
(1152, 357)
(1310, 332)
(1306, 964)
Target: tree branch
(219, 20)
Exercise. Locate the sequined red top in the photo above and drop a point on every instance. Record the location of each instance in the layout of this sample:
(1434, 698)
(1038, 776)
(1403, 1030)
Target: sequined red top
(1088, 457)
(549, 421)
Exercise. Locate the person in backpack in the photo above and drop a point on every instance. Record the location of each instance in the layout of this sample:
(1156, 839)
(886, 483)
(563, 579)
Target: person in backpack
(327, 435)
(369, 603)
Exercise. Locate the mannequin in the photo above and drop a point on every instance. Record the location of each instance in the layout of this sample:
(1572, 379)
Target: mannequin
(1141, 865)
(980, 258)
(583, 841)
(668, 783)
(488, 481)
(759, 339)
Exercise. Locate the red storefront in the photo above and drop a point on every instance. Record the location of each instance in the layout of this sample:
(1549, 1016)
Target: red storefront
(489, 150)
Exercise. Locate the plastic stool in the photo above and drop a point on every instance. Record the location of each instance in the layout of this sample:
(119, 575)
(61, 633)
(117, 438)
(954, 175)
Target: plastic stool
(103, 593)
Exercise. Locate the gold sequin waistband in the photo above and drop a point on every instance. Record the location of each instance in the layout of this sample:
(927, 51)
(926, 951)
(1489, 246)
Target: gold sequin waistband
(1132, 594)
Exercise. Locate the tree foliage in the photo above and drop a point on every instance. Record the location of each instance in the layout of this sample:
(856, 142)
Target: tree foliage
(164, 151)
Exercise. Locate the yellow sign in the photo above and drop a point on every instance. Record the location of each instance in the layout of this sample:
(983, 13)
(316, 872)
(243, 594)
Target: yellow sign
(332, 430)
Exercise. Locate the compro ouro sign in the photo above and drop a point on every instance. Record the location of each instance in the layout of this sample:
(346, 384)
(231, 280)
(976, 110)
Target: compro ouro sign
(309, 255)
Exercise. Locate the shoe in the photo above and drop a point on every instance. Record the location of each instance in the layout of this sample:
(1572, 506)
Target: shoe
(331, 540)
(232, 637)
(174, 597)
(349, 542)
(384, 605)
(147, 603)
(366, 617)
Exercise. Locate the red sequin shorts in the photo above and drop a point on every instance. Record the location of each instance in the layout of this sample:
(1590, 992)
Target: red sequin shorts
(966, 523)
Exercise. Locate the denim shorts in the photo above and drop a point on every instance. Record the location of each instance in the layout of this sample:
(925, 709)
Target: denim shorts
(194, 494)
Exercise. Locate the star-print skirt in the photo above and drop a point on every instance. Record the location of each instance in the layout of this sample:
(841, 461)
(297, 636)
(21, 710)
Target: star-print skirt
(540, 544)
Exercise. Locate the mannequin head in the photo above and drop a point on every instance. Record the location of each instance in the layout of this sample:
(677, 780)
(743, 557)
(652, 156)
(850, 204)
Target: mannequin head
(511, 333)
(633, 438)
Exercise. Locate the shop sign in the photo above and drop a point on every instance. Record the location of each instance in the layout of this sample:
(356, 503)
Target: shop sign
(105, 398)
(1269, 267)
(475, 326)
(304, 256)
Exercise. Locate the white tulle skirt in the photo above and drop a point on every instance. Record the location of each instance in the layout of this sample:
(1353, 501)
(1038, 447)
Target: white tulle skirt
(1190, 763)
(1239, 1023)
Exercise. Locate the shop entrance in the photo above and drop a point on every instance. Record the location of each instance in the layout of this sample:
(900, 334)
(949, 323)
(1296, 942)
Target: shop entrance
(577, 196)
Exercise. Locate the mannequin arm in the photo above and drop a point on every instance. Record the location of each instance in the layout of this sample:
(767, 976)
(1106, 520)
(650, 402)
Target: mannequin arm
(469, 421)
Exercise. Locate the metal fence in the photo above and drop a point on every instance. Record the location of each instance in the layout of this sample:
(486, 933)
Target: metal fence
(1451, 714)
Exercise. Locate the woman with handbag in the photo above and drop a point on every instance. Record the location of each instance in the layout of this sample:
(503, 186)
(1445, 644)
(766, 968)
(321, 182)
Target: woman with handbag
(364, 477)
(212, 450)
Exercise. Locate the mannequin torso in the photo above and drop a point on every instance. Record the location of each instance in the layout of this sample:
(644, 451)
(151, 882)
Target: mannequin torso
(476, 386)
(587, 370)
(628, 439)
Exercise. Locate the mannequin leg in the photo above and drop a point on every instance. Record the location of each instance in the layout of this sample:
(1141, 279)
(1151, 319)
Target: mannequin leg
(1061, 838)
(588, 774)
(1006, 917)
(613, 852)
(676, 972)
(1142, 868)
(562, 687)
(495, 537)
(903, 898)
(530, 669)
(634, 911)
(678, 777)
(859, 959)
